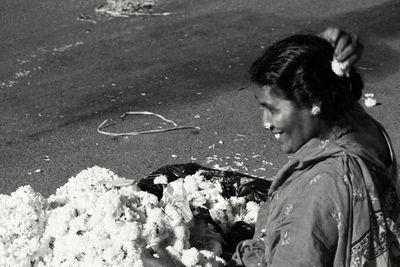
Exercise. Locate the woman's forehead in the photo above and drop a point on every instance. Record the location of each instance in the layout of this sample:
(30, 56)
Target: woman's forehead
(269, 92)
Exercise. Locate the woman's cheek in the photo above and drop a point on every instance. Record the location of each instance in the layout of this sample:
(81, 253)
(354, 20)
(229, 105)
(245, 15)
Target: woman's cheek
(267, 118)
(278, 121)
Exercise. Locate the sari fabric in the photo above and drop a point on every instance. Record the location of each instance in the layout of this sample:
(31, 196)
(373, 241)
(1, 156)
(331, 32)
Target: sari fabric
(335, 203)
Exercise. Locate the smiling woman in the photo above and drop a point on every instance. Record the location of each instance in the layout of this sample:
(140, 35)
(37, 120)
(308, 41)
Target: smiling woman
(295, 76)
(336, 202)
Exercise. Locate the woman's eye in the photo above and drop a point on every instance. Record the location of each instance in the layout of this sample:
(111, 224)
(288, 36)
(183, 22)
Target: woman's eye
(269, 109)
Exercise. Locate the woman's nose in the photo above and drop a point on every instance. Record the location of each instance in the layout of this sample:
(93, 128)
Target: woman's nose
(268, 126)
(267, 121)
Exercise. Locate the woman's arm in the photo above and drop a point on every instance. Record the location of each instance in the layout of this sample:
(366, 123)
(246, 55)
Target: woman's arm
(162, 259)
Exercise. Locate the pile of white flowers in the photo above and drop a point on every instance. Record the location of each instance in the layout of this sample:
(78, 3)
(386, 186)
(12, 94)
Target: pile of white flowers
(92, 222)
(23, 219)
(124, 8)
(224, 211)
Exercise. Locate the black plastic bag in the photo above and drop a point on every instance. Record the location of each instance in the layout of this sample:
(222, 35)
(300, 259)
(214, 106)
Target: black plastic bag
(233, 184)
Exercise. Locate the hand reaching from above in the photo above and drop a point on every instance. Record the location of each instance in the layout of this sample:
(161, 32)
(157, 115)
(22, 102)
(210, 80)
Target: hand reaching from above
(348, 48)
(157, 256)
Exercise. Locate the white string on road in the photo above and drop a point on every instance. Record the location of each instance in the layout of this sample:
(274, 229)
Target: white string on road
(103, 125)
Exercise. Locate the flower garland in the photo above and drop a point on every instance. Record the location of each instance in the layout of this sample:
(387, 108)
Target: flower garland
(90, 222)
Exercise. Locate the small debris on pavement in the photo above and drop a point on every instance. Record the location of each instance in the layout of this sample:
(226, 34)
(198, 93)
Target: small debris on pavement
(86, 18)
(370, 100)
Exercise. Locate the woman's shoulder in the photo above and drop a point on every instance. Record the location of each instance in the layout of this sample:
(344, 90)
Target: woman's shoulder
(341, 173)
(329, 176)
(325, 179)
(367, 138)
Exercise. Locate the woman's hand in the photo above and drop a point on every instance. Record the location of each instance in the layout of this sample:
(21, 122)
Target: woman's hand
(348, 48)
(161, 260)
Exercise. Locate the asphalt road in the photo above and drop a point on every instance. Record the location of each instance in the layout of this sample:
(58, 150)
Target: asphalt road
(61, 77)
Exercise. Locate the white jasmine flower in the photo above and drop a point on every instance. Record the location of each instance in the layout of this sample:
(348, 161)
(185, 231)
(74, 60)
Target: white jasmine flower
(192, 183)
(161, 179)
(372, 95)
(174, 216)
(339, 68)
(190, 257)
(370, 102)
(252, 212)
(181, 238)
(237, 201)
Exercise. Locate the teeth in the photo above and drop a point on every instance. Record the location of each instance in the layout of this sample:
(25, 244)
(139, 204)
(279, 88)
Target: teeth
(277, 135)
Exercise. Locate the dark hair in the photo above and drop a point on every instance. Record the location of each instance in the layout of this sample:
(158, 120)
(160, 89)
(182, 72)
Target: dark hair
(300, 66)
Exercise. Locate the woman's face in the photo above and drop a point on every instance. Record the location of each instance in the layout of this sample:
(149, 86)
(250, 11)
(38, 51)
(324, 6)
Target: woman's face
(291, 126)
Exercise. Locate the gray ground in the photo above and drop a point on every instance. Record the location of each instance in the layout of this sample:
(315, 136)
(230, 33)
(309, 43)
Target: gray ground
(61, 77)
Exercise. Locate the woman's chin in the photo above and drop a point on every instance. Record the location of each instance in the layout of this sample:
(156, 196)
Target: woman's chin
(286, 149)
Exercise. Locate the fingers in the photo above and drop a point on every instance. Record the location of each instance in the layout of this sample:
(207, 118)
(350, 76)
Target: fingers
(352, 60)
(344, 42)
(345, 50)
(152, 258)
(160, 251)
(245, 247)
(347, 47)
(331, 35)
(148, 259)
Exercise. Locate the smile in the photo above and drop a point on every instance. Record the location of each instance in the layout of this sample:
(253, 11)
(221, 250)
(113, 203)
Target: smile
(278, 135)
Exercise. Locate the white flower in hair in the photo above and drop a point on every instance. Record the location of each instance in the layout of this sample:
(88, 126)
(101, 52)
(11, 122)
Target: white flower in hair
(339, 68)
